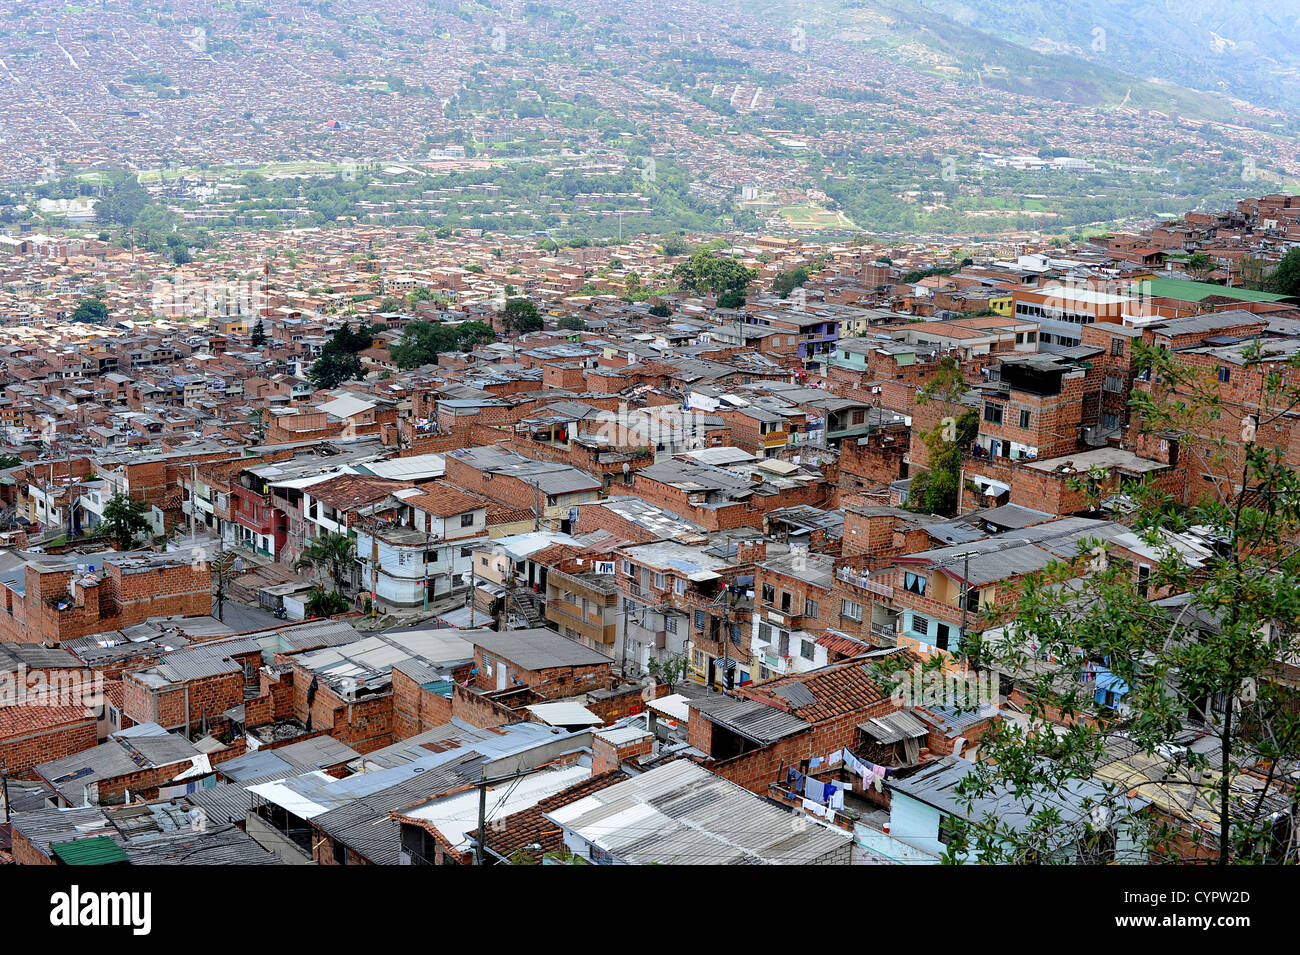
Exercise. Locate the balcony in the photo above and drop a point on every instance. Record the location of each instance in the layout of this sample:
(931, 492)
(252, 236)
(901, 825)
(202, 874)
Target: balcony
(868, 584)
(592, 626)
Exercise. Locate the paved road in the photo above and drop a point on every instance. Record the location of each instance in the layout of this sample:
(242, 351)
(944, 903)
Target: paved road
(241, 617)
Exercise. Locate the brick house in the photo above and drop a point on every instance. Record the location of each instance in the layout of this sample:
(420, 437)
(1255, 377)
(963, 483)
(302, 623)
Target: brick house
(64, 598)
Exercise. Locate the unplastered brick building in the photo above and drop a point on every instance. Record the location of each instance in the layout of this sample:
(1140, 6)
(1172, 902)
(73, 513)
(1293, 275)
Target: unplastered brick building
(61, 598)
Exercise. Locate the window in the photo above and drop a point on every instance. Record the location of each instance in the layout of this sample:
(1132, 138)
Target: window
(993, 413)
(697, 659)
(806, 650)
(1117, 346)
(735, 634)
(769, 594)
(700, 620)
(670, 623)
(679, 585)
(810, 608)
(627, 568)
(851, 609)
(920, 625)
(1224, 373)
(1024, 420)
(659, 581)
(467, 520)
(785, 601)
(1114, 383)
(1109, 420)
(465, 552)
(765, 632)
(914, 583)
(483, 561)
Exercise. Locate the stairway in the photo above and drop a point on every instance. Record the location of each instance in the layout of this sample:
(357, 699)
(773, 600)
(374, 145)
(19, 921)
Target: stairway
(528, 605)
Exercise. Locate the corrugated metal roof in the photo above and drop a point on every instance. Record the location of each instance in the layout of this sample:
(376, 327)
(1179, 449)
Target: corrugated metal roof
(751, 719)
(97, 850)
(681, 814)
(893, 727)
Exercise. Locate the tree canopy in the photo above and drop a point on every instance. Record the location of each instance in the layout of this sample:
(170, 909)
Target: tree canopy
(520, 316)
(339, 360)
(422, 342)
(91, 311)
(124, 520)
(721, 275)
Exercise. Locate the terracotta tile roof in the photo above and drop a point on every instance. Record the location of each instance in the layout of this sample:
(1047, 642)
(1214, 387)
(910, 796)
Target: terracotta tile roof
(444, 500)
(115, 692)
(23, 718)
(351, 490)
(549, 556)
(838, 690)
(528, 827)
(501, 514)
(845, 646)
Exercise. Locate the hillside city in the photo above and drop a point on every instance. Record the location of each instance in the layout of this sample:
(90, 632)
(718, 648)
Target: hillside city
(591, 483)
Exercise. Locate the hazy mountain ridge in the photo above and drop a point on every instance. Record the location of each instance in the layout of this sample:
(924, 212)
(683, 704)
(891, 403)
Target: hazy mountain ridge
(1240, 48)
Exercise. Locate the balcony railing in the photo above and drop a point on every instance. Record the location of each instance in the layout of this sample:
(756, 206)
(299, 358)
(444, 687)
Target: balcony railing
(863, 582)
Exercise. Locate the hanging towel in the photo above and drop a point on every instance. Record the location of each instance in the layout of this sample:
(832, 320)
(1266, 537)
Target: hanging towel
(814, 762)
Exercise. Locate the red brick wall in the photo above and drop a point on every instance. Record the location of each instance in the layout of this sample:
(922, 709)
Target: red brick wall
(26, 750)
(208, 697)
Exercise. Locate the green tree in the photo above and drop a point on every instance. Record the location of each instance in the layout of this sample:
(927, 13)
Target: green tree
(334, 368)
(325, 603)
(334, 553)
(520, 316)
(673, 243)
(669, 670)
(339, 360)
(1285, 279)
(719, 274)
(1199, 266)
(124, 520)
(789, 280)
(91, 311)
(259, 334)
(937, 490)
(660, 310)
(572, 323)
(1206, 699)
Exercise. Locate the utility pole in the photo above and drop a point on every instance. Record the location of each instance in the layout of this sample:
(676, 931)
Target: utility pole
(428, 537)
(726, 648)
(965, 593)
(374, 569)
(482, 821)
(473, 587)
(623, 662)
(4, 783)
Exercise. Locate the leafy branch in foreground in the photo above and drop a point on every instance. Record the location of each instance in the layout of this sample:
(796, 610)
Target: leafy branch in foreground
(1162, 701)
